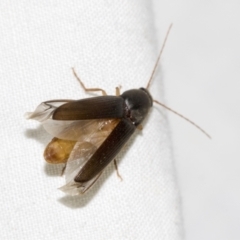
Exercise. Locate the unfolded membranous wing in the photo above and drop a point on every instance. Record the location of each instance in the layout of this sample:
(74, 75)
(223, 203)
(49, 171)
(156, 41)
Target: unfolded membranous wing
(96, 141)
(87, 161)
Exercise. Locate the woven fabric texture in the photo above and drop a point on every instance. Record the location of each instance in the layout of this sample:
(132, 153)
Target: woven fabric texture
(109, 43)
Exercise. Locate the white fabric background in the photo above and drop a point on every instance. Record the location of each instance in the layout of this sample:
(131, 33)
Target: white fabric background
(201, 74)
(110, 43)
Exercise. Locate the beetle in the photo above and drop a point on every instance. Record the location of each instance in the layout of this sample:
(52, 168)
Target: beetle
(89, 133)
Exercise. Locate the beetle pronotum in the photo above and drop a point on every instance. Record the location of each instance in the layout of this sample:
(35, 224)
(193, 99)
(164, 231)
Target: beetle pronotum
(89, 133)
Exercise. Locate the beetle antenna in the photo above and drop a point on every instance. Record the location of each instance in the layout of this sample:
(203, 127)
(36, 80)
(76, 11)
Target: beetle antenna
(180, 115)
(159, 56)
(161, 104)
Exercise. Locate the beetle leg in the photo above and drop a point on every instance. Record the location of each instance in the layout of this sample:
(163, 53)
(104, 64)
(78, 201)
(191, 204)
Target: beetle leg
(118, 91)
(63, 170)
(88, 89)
(116, 168)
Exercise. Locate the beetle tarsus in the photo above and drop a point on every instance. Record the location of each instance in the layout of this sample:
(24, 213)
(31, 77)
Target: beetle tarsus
(116, 168)
(88, 89)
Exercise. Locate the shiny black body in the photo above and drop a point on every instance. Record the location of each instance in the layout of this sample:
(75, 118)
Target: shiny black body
(130, 108)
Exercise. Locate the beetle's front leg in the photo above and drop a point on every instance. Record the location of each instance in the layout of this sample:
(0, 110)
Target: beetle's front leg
(118, 91)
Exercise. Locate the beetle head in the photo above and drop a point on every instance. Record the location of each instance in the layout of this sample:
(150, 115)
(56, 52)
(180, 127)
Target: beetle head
(138, 103)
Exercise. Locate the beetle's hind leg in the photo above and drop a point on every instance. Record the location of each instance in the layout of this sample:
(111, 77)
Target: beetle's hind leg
(116, 168)
(88, 89)
(63, 169)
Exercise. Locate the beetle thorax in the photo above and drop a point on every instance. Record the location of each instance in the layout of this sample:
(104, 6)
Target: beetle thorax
(138, 102)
